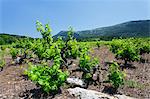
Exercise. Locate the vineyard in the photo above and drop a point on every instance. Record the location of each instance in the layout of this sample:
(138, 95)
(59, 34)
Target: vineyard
(46, 68)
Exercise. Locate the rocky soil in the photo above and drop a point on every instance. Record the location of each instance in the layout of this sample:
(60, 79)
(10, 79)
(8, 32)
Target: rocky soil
(14, 85)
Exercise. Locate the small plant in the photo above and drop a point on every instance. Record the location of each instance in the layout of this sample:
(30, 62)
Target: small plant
(133, 84)
(14, 52)
(2, 63)
(126, 51)
(3, 48)
(98, 44)
(49, 78)
(116, 77)
(145, 48)
(128, 54)
(71, 46)
(87, 64)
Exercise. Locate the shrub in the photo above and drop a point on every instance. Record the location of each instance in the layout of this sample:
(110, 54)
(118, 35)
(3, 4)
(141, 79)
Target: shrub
(116, 77)
(14, 52)
(49, 78)
(2, 63)
(126, 51)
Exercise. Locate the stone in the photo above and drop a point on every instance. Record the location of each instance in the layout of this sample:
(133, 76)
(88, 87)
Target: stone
(123, 97)
(17, 60)
(81, 93)
(76, 81)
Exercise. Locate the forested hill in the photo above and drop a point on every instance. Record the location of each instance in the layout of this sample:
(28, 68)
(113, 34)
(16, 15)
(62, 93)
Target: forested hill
(8, 38)
(140, 28)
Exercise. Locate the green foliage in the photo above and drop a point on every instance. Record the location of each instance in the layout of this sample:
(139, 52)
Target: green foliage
(86, 63)
(128, 53)
(133, 84)
(3, 47)
(98, 44)
(2, 63)
(70, 33)
(2, 60)
(116, 77)
(87, 76)
(49, 78)
(144, 47)
(43, 48)
(126, 50)
(115, 45)
(72, 49)
(14, 52)
(45, 32)
(23, 43)
(9, 39)
(140, 45)
(60, 43)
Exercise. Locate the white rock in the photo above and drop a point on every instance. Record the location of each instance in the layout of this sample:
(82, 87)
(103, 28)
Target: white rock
(17, 60)
(94, 77)
(81, 93)
(76, 81)
(123, 97)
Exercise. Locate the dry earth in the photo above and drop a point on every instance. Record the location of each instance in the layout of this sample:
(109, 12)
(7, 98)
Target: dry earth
(13, 85)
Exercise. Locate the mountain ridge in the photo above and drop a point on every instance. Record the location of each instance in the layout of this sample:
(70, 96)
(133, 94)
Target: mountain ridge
(137, 28)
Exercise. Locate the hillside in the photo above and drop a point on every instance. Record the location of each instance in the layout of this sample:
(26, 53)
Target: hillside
(8, 38)
(140, 28)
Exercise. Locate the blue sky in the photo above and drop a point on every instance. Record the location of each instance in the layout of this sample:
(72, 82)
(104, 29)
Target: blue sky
(19, 16)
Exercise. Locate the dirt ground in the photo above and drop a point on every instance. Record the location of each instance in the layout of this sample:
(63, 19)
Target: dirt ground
(13, 85)
(137, 72)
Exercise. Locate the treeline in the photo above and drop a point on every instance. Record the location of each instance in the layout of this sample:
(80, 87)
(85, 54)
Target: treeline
(9, 39)
(104, 38)
(98, 38)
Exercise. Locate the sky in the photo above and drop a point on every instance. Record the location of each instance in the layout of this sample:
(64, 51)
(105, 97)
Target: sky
(19, 16)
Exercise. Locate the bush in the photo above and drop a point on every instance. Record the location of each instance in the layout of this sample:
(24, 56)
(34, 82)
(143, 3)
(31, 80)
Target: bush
(14, 52)
(2, 63)
(116, 77)
(49, 78)
(125, 50)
